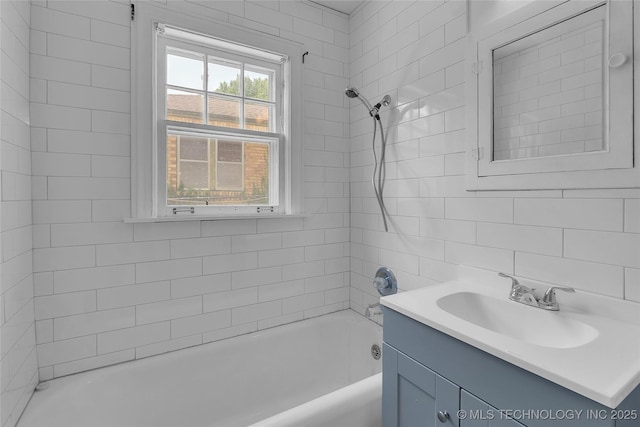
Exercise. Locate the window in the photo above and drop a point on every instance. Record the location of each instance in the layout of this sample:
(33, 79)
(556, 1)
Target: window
(224, 132)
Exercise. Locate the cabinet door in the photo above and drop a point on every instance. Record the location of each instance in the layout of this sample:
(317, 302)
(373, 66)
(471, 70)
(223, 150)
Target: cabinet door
(414, 396)
(477, 413)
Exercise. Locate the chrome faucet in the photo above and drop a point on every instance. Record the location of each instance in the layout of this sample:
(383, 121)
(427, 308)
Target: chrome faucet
(525, 295)
(368, 311)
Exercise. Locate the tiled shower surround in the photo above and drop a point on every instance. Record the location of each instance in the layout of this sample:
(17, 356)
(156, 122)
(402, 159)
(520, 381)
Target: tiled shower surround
(105, 291)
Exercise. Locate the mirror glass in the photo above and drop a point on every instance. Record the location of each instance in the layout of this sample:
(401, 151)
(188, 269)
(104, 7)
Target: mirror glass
(548, 97)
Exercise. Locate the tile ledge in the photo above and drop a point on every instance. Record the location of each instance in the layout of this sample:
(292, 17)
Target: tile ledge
(209, 218)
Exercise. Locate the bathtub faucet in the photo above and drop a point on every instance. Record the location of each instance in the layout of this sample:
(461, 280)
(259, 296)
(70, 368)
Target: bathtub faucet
(368, 312)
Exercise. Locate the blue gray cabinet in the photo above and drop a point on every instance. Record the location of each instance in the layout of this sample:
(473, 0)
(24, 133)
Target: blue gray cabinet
(426, 371)
(419, 394)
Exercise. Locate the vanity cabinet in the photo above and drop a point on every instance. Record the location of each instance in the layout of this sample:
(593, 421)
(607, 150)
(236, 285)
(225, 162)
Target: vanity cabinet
(420, 397)
(426, 371)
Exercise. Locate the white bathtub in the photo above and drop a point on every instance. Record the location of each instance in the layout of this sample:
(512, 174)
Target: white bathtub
(302, 374)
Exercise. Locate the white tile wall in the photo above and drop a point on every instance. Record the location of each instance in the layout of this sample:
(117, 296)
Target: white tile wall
(587, 239)
(109, 291)
(18, 362)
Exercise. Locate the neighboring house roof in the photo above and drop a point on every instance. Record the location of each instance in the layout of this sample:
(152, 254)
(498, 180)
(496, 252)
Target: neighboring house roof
(224, 109)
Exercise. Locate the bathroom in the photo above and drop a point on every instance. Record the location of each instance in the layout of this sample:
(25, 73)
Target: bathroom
(89, 281)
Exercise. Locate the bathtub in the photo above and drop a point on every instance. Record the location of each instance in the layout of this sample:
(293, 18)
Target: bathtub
(318, 372)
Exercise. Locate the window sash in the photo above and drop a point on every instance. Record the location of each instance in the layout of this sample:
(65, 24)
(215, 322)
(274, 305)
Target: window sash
(276, 171)
(274, 137)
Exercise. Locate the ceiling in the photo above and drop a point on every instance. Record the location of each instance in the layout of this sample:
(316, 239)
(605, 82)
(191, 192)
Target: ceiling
(344, 6)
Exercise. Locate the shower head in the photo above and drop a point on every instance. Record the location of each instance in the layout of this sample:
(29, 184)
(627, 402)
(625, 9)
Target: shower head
(351, 92)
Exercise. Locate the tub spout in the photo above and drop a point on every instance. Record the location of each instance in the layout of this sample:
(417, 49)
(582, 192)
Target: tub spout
(368, 311)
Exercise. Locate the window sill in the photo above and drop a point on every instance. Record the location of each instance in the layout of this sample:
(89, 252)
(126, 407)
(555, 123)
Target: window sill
(209, 218)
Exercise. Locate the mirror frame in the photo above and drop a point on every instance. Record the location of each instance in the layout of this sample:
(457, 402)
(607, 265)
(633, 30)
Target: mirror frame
(617, 167)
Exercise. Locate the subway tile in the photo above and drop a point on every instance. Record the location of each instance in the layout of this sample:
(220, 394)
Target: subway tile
(92, 323)
(127, 253)
(167, 270)
(79, 142)
(256, 242)
(167, 310)
(85, 279)
(61, 211)
(63, 188)
(200, 285)
(86, 364)
(90, 233)
(228, 227)
(324, 283)
(229, 263)
(66, 24)
(110, 122)
(256, 277)
(87, 51)
(232, 331)
(126, 296)
(65, 351)
(166, 346)
(539, 240)
(621, 249)
(280, 290)
(302, 270)
(252, 313)
(73, 95)
(60, 117)
(110, 166)
(166, 230)
(201, 323)
(302, 238)
(632, 215)
(490, 209)
(44, 331)
(122, 339)
(400, 261)
(276, 257)
(60, 70)
(479, 256)
(51, 306)
(108, 33)
(588, 276)
(184, 248)
(632, 284)
(302, 302)
(114, 12)
(453, 230)
(110, 210)
(47, 259)
(109, 77)
(229, 299)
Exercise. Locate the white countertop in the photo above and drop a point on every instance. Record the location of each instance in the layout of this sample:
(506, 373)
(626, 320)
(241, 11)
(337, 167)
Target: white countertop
(605, 369)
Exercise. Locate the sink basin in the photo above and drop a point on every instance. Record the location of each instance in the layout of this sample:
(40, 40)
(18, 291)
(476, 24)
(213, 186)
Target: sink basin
(518, 321)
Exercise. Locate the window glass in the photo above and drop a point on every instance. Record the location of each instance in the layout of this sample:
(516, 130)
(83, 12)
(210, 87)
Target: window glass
(185, 106)
(224, 77)
(185, 69)
(224, 111)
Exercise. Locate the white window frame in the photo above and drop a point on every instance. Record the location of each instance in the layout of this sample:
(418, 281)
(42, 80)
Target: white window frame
(148, 129)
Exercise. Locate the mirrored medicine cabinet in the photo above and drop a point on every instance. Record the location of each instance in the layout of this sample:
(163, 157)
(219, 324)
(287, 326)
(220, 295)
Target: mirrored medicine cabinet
(550, 98)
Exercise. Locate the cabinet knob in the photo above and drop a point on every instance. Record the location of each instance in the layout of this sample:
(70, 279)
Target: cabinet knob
(617, 60)
(443, 416)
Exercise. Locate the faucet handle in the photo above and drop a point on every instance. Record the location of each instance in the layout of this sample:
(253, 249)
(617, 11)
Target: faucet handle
(550, 294)
(549, 302)
(514, 281)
